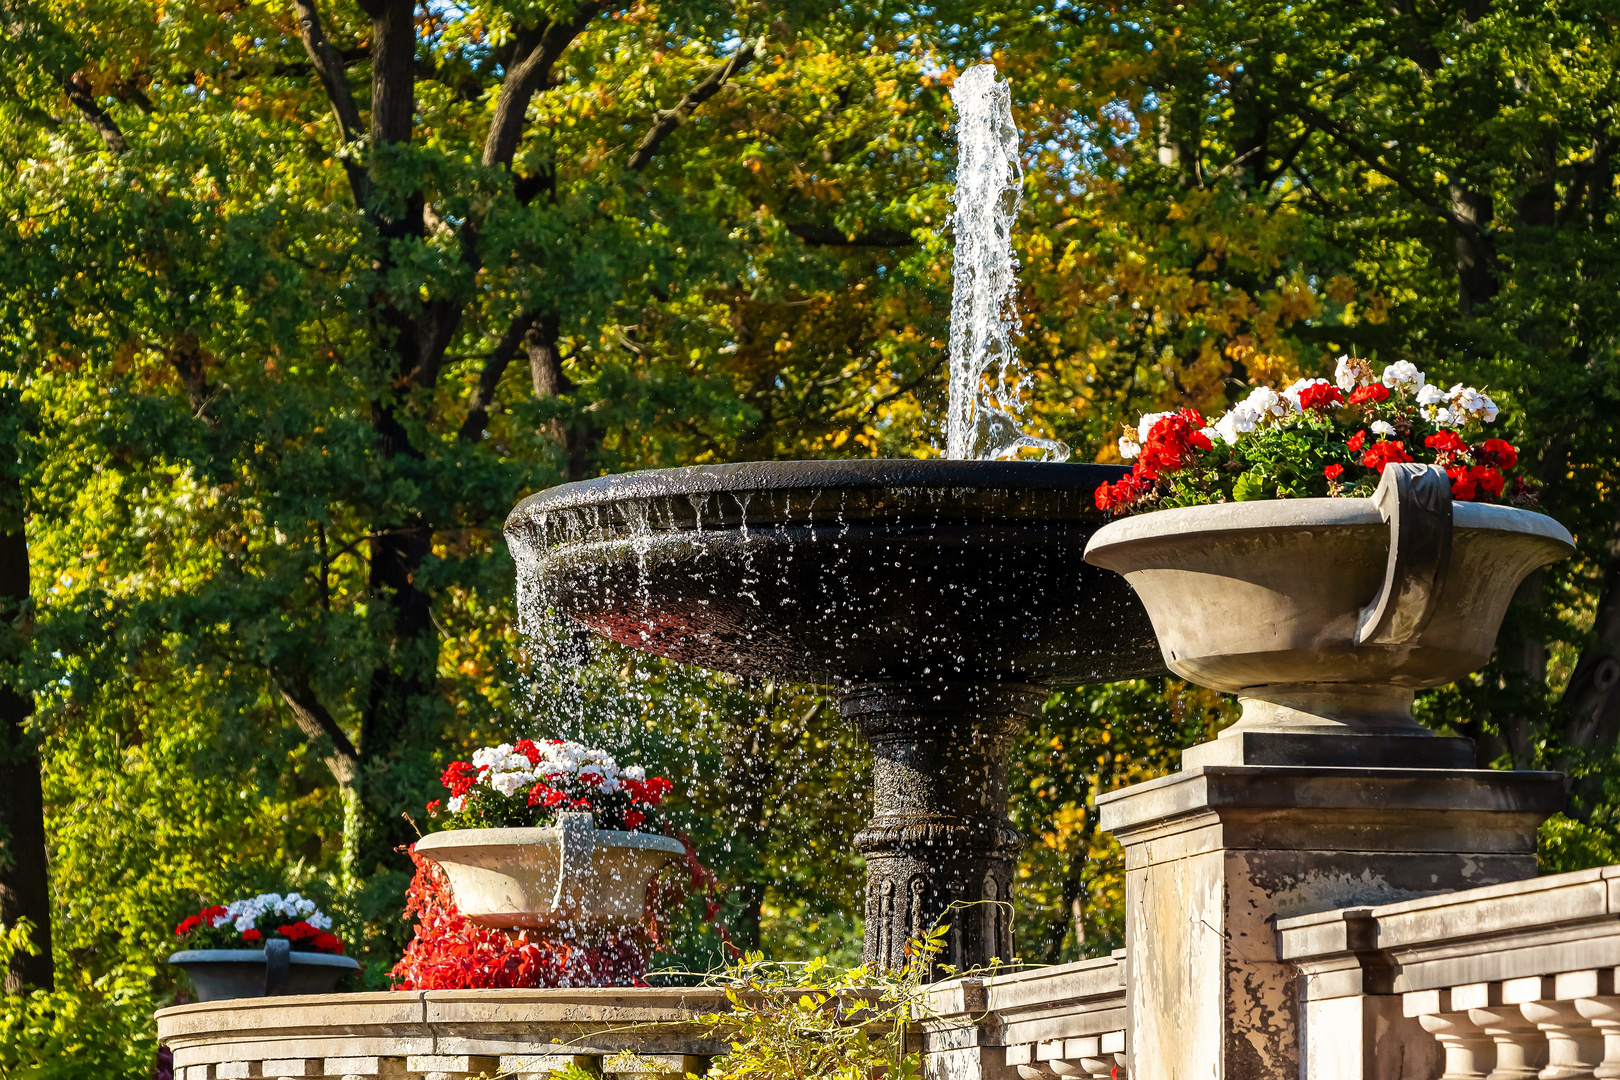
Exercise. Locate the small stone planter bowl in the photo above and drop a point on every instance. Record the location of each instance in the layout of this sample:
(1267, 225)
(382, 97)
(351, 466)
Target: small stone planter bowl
(1325, 615)
(568, 876)
(219, 974)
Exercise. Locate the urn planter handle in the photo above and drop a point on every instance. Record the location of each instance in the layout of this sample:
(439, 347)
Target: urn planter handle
(575, 858)
(1416, 502)
(277, 965)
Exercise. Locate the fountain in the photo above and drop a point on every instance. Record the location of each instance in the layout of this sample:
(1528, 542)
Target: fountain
(939, 600)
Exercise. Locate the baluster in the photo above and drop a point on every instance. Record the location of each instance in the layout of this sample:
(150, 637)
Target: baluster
(1592, 991)
(1521, 1049)
(451, 1066)
(1574, 1047)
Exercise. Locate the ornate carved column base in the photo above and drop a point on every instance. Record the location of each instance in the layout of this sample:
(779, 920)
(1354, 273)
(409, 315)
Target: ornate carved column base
(939, 847)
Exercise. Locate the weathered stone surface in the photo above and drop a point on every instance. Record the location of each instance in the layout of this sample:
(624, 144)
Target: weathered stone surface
(1215, 855)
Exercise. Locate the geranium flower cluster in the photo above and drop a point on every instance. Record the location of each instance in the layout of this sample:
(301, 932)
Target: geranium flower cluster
(1317, 438)
(245, 924)
(529, 783)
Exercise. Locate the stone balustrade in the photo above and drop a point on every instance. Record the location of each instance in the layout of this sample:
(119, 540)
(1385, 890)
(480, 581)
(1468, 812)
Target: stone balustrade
(1509, 982)
(445, 1034)
(1064, 1021)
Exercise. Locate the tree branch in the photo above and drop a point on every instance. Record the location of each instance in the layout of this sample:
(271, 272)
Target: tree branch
(79, 93)
(667, 120)
(1375, 162)
(831, 236)
(329, 68)
(186, 356)
(472, 429)
(527, 76)
(317, 724)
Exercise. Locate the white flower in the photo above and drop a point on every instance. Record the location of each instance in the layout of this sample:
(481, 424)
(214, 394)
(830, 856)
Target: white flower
(1344, 374)
(1209, 433)
(457, 803)
(1382, 427)
(1403, 373)
(244, 922)
(1444, 417)
(318, 920)
(1239, 420)
(1263, 401)
(1430, 394)
(1472, 403)
(1129, 447)
(1145, 425)
(636, 773)
(508, 783)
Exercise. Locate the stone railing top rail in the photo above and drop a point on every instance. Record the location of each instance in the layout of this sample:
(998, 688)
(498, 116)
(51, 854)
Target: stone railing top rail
(1067, 1011)
(1040, 1022)
(1540, 926)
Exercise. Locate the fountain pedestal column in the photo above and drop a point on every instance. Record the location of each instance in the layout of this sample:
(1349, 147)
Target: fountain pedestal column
(939, 847)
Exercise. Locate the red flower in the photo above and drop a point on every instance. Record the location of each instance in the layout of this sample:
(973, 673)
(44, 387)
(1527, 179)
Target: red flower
(213, 912)
(298, 931)
(459, 777)
(1320, 396)
(433, 808)
(252, 935)
(326, 942)
(657, 788)
(1497, 453)
(1384, 453)
(527, 748)
(634, 818)
(555, 797)
(1356, 442)
(1487, 479)
(1168, 442)
(188, 925)
(538, 792)
(1333, 472)
(1373, 392)
(582, 804)
(1462, 484)
(1446, 442)
(592, 778)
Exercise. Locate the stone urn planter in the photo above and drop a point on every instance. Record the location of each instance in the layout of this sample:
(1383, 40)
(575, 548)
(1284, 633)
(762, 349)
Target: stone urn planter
(569, 876)
(1325, 615)
(275, 970)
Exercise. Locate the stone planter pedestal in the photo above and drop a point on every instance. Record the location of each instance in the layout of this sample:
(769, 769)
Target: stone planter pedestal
(1323, 616)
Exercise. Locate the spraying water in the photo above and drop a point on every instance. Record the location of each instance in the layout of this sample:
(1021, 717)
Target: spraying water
(986, 378)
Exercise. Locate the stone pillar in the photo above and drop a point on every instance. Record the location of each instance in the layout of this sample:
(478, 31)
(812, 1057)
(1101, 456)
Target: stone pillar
(1216, 853)
(939, 834)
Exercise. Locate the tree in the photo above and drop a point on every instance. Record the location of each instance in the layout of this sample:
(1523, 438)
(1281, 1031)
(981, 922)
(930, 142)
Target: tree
(24, 872)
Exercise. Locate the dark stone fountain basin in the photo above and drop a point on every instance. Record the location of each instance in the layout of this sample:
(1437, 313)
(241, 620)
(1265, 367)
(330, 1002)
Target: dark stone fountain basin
(845, 571)
(940, 600)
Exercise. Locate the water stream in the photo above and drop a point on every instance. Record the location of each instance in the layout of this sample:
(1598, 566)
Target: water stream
(987, 380)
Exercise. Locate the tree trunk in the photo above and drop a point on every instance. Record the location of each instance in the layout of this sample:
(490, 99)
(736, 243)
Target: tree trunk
(24, 870)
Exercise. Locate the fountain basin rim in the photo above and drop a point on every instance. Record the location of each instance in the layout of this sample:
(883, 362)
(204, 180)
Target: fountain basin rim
(853, 474)
(1265, 514)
